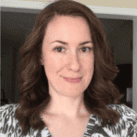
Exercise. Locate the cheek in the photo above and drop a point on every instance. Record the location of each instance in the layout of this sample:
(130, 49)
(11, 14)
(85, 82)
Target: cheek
(88, 63)
(91, 68)
(88, 66)
(52, 64)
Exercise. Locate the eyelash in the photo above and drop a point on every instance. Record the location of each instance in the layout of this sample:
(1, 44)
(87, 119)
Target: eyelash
(82, 48)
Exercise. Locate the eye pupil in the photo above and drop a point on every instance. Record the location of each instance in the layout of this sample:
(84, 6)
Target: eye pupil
(84, 48)
(59, 48)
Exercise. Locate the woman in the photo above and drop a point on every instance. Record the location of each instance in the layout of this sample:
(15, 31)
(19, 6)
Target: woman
(66, 80)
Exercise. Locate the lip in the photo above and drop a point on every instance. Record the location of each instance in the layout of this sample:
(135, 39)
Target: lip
(73, 80)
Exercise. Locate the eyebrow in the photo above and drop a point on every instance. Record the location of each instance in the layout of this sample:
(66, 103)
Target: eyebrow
(65, 43)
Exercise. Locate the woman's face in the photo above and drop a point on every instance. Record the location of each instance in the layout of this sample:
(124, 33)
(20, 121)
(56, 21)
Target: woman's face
(73, 58)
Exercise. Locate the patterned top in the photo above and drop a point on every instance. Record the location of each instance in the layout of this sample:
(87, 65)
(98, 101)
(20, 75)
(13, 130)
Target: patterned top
(126, 127)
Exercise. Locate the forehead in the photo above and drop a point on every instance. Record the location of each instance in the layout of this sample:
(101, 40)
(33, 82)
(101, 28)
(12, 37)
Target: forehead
(68, 28)
(67, 21)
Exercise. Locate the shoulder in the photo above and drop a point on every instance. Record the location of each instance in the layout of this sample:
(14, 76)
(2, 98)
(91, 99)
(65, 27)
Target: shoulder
(8, 110)
(5, 107)
(126, 127)
(7, 117)
(124, 111)
(128, 119)
(9, 124)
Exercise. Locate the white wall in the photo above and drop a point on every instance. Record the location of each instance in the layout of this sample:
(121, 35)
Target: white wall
(104, 3)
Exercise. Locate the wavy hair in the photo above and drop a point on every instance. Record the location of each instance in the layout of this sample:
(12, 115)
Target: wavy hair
(33, 83)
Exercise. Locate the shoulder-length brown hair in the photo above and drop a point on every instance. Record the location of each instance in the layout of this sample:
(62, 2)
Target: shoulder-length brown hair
(33, 83)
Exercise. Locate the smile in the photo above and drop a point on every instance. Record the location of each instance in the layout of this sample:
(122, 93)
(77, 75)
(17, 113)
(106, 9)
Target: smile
(72, 80)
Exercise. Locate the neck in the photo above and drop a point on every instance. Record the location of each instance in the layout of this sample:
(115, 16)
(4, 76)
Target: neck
(71, 107)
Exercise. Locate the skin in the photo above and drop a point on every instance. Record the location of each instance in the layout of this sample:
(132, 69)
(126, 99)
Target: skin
(72, 60)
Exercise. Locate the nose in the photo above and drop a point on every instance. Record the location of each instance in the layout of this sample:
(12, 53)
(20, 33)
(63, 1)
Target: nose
(74, 64)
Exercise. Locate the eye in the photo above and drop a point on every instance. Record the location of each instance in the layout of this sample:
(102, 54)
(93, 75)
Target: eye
(87, 48)
(58, 49)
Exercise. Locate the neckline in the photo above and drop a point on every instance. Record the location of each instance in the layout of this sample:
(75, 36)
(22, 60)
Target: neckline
(92, 119)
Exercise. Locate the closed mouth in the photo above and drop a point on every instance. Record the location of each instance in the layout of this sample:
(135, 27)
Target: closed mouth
(74, 78)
